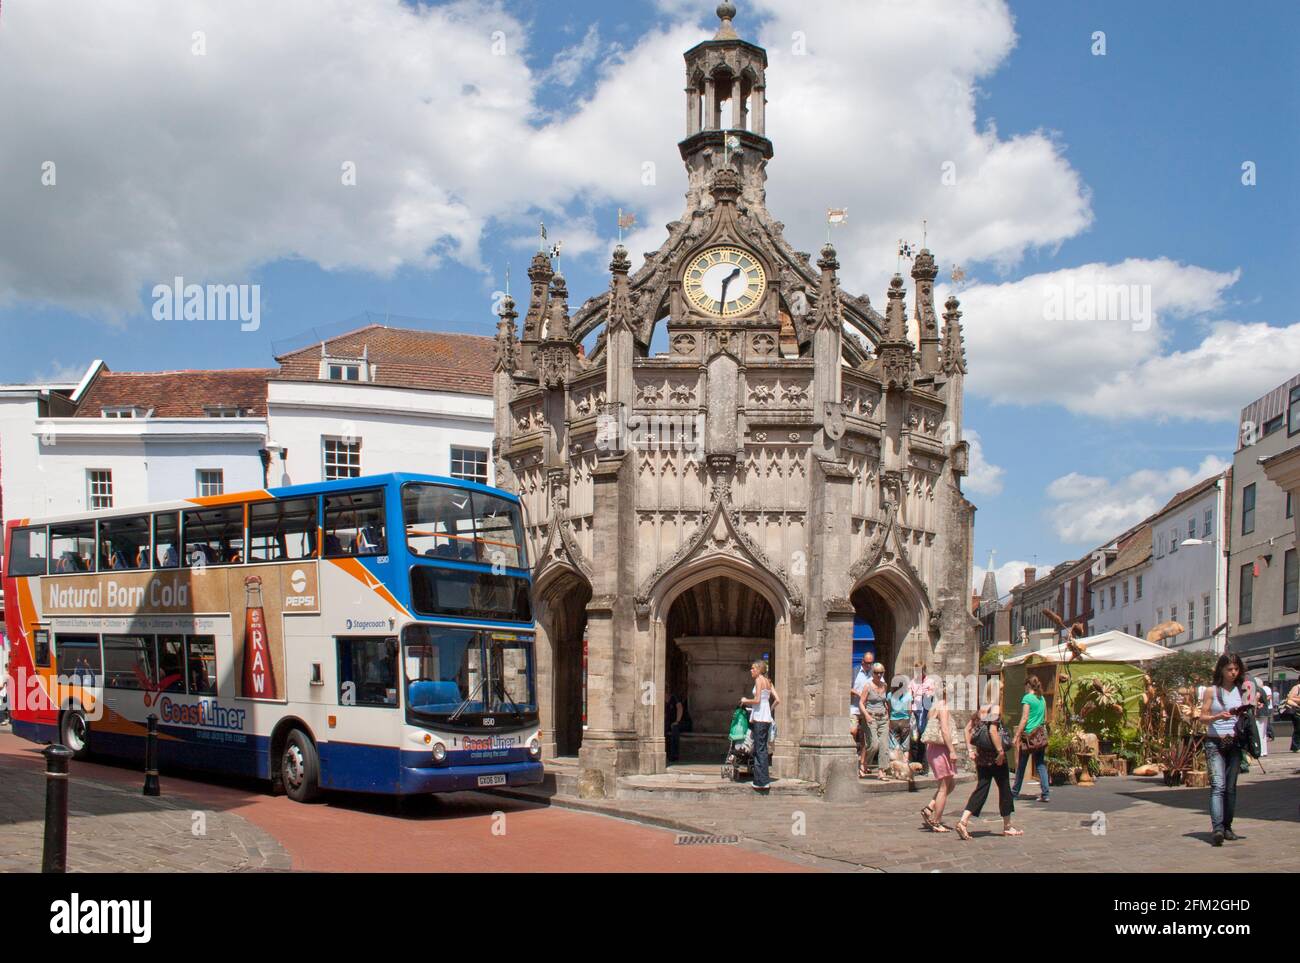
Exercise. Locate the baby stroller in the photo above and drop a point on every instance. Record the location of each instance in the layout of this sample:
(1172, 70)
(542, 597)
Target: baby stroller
(740, 752)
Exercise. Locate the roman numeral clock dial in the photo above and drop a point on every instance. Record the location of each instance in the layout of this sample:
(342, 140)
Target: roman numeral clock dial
(724, 282)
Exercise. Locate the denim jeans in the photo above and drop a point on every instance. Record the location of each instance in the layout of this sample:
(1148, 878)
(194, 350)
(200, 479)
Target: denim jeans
(761, 752)
(1224, 762)
(1040, 766)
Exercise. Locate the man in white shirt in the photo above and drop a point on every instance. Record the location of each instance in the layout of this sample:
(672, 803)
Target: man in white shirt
(855, 722)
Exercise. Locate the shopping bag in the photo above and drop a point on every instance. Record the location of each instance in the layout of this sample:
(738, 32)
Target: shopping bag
(739, 725)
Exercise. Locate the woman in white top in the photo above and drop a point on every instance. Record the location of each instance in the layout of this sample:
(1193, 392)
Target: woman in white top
(1220, 707)
(760, 706)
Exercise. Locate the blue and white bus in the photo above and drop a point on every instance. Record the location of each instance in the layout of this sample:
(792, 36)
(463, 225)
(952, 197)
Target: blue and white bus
(369, 634)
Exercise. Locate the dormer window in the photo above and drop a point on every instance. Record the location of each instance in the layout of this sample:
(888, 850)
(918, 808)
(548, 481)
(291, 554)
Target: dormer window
(224, 411)
(124, 412)
(345, 372)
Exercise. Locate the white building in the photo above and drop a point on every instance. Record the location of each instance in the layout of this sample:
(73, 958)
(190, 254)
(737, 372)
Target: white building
(1171, 569)
(375, 400)
(383, 399)
(1121, 598)
(1189, 564)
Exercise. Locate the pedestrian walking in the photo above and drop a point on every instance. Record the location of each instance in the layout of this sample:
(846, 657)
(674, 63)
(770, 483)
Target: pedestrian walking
(875, 713)
(761, 704)
(1031, 738)
(922, 689)
(856, 727)
(900, 719)
(1291, 709)
(1220, 708)
(939, 756)
(984, 737)
(1264, 717)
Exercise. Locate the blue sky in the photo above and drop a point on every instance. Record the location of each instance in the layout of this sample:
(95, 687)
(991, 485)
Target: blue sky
(1130, 161)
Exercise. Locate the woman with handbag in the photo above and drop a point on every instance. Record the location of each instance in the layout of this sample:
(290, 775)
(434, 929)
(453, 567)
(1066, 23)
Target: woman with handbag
(988, 741)
(937, 740)
(1222, 708)
(1031, 738)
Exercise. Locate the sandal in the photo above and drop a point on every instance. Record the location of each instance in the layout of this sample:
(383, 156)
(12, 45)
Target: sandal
(939, 828)
(963, 831)
(1013, 832)
(927, 818)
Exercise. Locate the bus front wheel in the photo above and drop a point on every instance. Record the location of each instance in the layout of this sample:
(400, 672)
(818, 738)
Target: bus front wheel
(74, 733)
(300, 768)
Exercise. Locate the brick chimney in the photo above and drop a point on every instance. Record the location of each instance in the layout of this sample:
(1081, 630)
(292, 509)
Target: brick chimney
(1030, 574)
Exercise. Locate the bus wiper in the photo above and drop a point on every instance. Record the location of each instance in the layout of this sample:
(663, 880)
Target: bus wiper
(468, 699)
(505, 692)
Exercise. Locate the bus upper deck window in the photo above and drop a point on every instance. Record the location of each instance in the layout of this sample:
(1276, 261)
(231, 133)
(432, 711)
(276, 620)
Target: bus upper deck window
(166, 541)
(29, 552)
(355, 524)
(214, 536)
(72, 547)
(124, 543)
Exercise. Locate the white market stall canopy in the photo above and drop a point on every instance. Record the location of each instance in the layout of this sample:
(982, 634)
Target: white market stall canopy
(1113, 646)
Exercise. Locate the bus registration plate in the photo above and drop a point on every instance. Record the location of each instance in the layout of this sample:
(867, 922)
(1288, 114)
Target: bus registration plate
(497, 780)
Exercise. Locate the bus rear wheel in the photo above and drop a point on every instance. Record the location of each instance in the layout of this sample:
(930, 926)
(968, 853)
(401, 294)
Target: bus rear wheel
(74, 733)
(300, 768)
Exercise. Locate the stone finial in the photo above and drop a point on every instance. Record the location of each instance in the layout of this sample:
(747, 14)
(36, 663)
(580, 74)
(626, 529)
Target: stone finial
(828, 295)
(923, 268)
(557, 327)
(621, 263)
(726, 13)
(539, 274)
(506, 343)
(952, 358)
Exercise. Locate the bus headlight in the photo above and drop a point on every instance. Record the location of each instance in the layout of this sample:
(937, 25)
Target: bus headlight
(439, 752)
(535, 748)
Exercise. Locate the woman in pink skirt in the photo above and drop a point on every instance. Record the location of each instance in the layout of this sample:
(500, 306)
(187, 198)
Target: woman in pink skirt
(939, 757)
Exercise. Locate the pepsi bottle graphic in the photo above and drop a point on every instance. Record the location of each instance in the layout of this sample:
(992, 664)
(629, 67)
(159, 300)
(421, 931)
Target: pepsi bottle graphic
(259, 673)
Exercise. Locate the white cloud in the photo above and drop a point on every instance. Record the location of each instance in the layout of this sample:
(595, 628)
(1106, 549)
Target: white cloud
(1008, 575)
(1087, 509)
(984, 478)
(569, 63)
(1095, 338)
(209, 166)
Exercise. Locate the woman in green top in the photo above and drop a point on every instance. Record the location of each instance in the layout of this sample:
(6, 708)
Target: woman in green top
(1032, 718)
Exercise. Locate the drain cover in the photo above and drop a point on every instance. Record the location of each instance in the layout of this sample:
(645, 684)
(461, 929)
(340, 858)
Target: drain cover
(707, 840)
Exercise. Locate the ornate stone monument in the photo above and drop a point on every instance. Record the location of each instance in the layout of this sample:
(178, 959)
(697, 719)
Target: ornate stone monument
(791, 462)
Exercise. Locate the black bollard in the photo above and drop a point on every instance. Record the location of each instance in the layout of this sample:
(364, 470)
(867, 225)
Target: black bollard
(55, 856)
(151, 787)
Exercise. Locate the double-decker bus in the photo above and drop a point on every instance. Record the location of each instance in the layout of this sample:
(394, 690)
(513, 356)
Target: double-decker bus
(369, 634)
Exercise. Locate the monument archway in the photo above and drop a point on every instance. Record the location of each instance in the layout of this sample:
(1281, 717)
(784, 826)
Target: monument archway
(714, 630)
(895, 618)
(561, 670)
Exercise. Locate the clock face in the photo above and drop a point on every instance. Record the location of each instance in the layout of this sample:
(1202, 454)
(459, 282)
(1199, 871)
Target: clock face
(725, 282)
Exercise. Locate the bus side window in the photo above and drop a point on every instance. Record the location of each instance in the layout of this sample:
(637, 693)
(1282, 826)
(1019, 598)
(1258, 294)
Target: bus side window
(29, 552)
(166, 550)
(354, 524)
(41, 645)
(201, 664)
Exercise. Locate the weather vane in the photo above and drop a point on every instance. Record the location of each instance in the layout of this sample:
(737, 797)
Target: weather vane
(541, 235)
(730, 146)
(835, 215)
(958, 275)
(625, 221)
(904, 251)
(555, 255)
